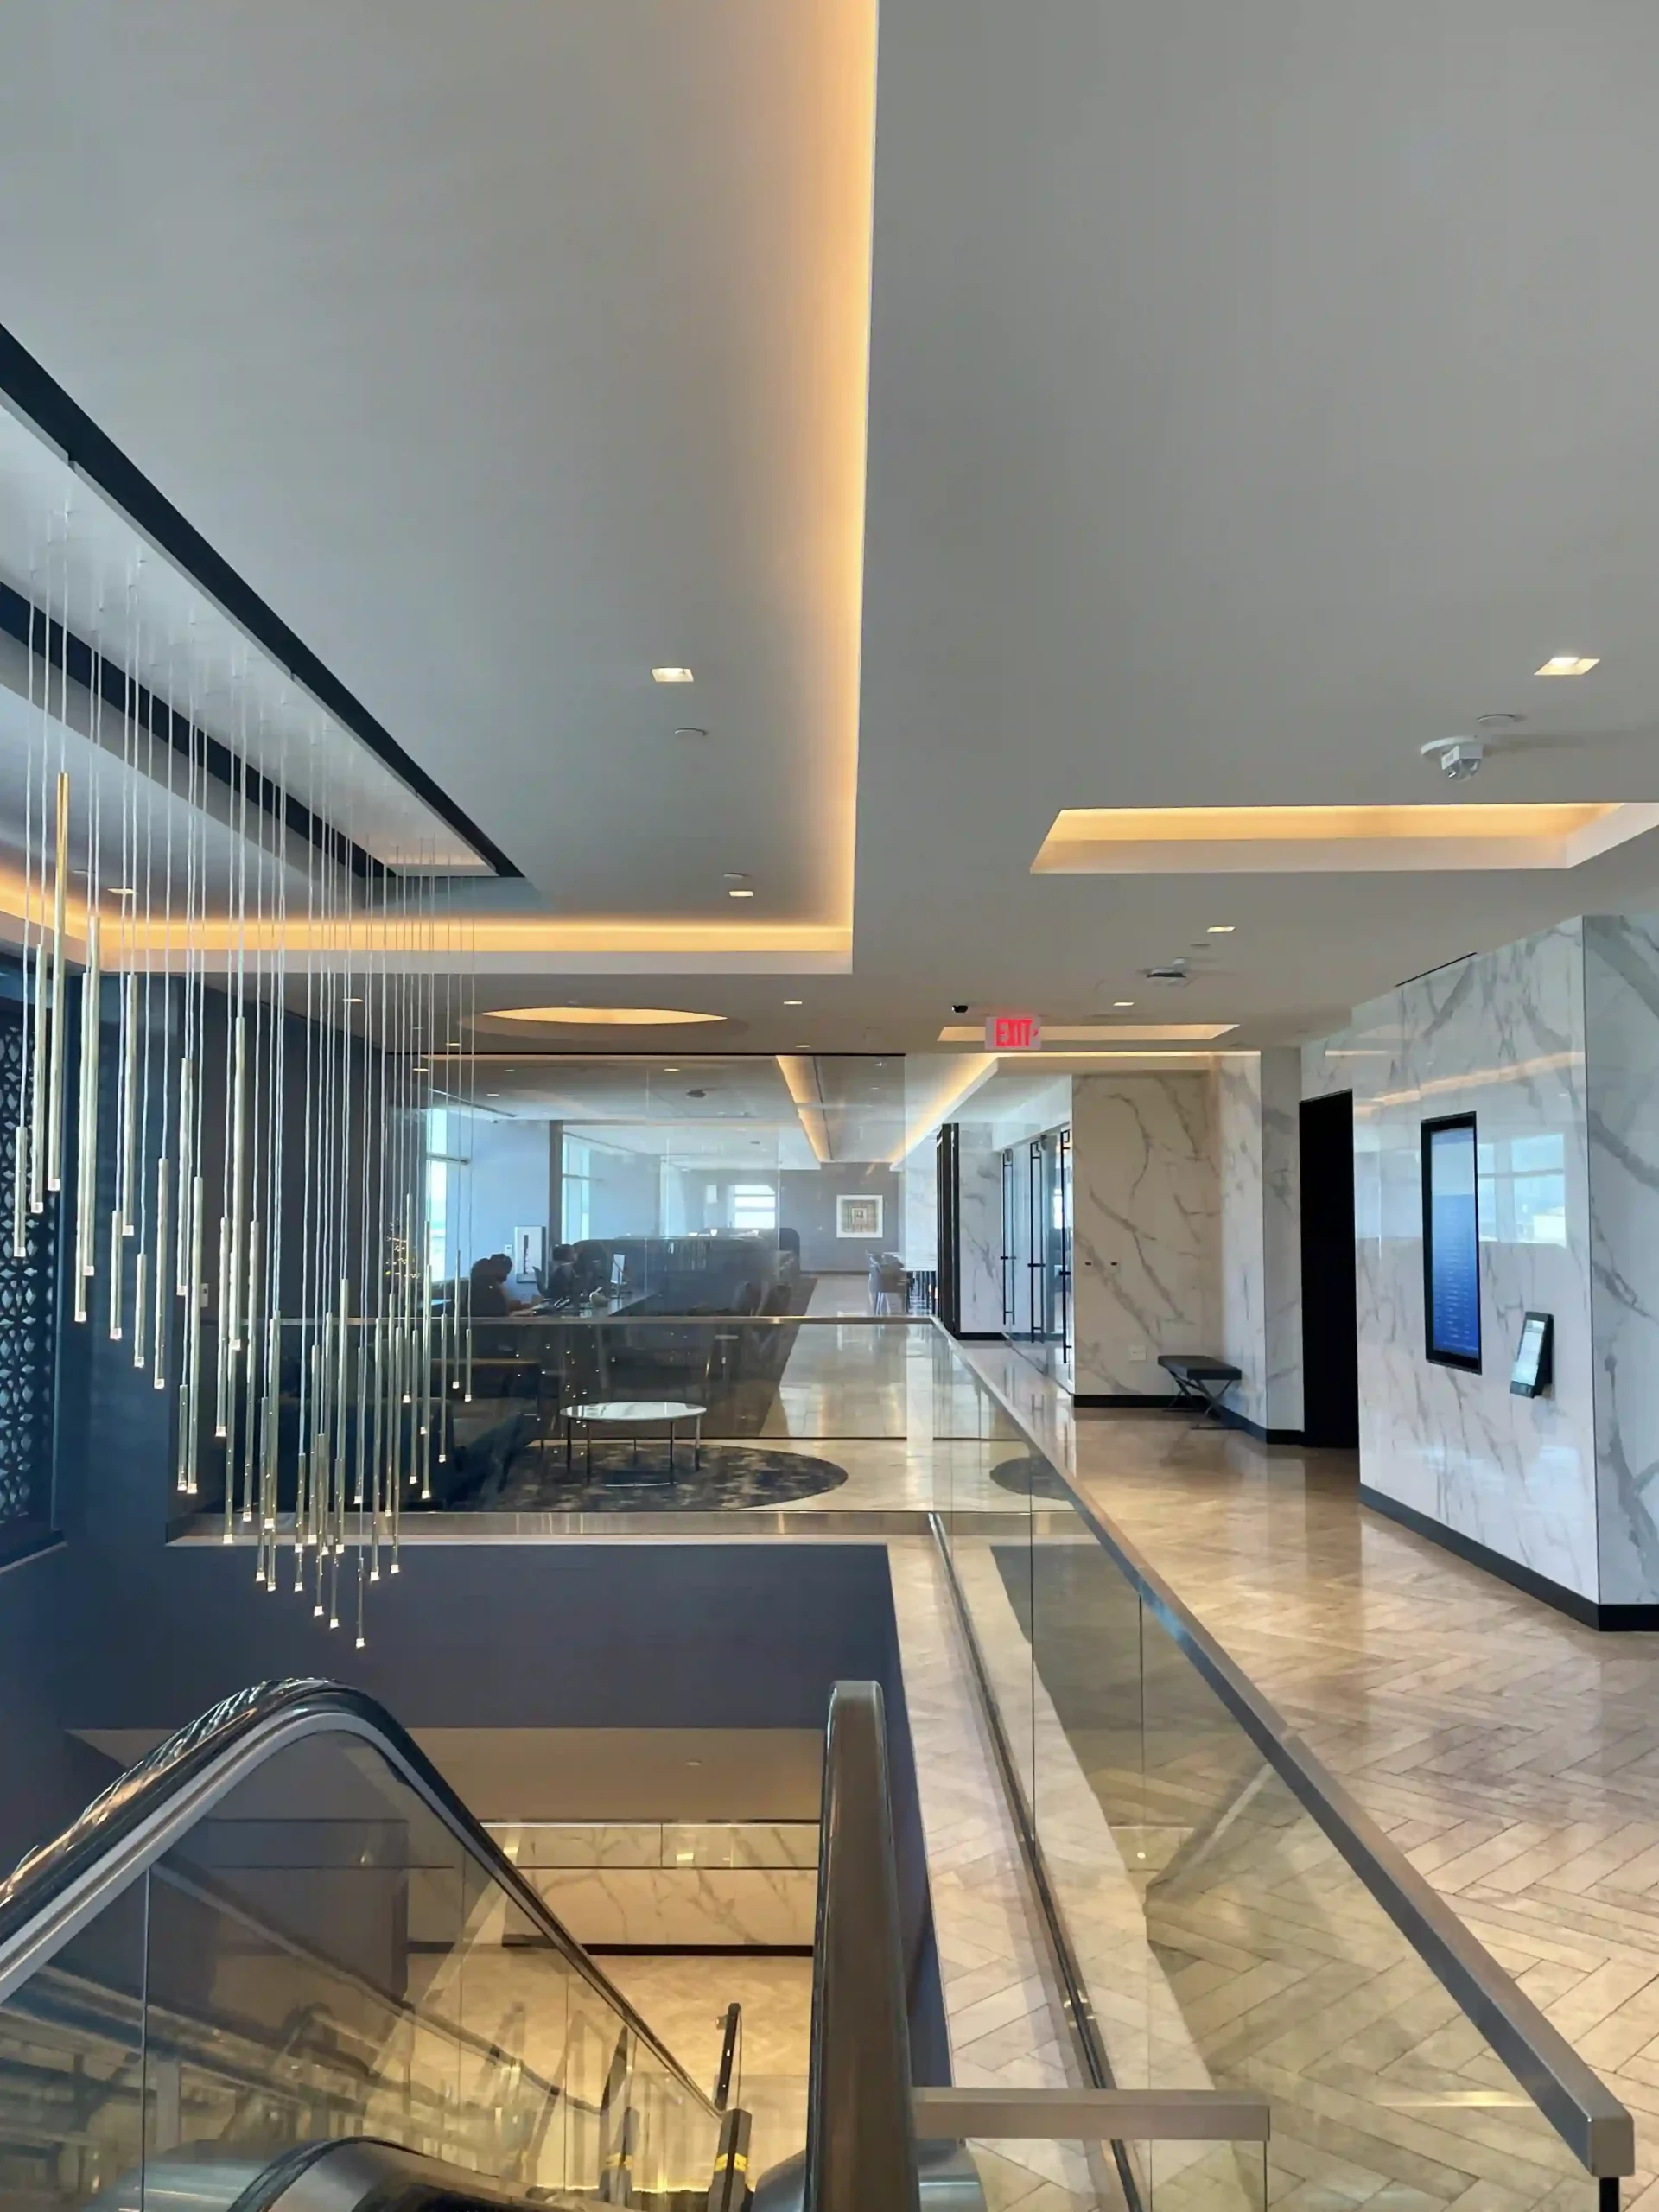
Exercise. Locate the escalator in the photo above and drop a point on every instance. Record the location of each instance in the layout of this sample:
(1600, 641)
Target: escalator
(280, 1964)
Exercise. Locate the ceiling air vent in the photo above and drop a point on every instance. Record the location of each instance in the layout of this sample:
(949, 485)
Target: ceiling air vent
(1172, 971)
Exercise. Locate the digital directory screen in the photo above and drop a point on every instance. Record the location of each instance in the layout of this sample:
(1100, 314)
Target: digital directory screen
(1452, 1243)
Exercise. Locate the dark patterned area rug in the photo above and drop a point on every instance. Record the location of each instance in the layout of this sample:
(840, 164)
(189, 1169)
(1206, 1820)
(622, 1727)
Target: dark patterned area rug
(1029, 1477)
(733, 1477)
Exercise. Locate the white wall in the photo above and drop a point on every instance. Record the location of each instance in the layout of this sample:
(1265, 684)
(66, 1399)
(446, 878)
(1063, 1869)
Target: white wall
(1145, 1230)
(509, 1184)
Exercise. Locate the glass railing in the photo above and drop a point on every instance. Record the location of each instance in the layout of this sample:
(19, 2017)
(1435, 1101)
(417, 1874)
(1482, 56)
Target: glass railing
(514, 1417)
(322, 1950)
(1226, 1916)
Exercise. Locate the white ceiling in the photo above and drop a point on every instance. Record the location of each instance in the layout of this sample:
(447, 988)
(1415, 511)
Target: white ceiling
(1255, 393)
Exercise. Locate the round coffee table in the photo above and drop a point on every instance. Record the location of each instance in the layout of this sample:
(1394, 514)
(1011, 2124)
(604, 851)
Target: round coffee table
(633, 1413)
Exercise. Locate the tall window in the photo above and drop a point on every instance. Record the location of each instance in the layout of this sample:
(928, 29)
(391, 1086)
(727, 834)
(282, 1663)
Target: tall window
(576, 1206)
(446, 1179)
(754, 1205)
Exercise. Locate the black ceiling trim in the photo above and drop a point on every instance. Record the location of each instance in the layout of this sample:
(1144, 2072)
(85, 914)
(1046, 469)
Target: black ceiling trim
(60, 648)
(98, 458)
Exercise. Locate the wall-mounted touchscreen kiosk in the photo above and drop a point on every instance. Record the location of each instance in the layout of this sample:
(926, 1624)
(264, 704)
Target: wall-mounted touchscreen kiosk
(1533, 1371)
(1451, 1244)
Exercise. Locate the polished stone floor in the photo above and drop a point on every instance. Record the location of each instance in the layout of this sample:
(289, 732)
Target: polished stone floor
(1511, 1754)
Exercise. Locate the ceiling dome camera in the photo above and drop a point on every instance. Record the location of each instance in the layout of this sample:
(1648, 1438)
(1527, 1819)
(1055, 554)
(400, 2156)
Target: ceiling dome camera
(1457, 757)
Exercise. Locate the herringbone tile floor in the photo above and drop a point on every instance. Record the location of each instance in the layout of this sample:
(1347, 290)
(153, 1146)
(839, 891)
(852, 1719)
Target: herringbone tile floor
(1513, 1755)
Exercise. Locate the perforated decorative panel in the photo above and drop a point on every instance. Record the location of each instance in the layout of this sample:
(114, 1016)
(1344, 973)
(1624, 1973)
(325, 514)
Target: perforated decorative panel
(28, 1317)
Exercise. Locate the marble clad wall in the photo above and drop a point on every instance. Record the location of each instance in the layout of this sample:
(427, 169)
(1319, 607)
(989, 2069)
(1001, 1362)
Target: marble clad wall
(736, 1885)
(1281, 1232)
(1621, 989)
(1146, 1228)
(1243, 1280)
(979, 1183)
(1502, 1035)
(919, 1241)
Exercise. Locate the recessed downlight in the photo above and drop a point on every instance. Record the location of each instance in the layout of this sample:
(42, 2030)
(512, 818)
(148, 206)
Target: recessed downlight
(1220, 929)
(1569, 664)
(794, 1002)
(739, 891)
(672, 676)
(1122, 1001)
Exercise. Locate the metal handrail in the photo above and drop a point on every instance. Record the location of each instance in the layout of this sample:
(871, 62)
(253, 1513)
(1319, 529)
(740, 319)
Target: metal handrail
(57, 1888)
(1593, 2123)
(861, 2128)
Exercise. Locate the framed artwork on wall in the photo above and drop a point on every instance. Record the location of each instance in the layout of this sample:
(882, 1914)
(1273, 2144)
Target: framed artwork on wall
(858, 1218)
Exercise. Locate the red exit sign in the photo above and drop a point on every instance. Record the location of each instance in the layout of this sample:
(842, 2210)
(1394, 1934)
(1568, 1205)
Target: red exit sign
(1013, 1032)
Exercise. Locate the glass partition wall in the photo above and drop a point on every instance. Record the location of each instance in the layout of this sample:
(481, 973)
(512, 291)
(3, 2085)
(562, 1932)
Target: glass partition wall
(726, 1184)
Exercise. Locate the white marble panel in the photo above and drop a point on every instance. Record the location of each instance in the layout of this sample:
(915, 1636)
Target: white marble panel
(920, 1244)
(741, 1843)
(655, 1908)
(1621, 986)
(979, 1182)
(1500, 1035)
(1144, 1232)
(581, 1843)
(1243, 1284)
(1281, 1233)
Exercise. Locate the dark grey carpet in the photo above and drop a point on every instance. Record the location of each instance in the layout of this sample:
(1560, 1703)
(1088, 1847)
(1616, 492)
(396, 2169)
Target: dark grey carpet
(1029, 1477)
(733, 1477)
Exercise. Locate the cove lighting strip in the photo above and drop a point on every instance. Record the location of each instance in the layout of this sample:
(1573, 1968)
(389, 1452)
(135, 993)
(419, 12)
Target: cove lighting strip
(1457, 836)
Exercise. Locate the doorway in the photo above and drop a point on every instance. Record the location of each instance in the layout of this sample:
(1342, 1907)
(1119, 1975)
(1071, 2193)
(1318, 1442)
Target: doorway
(1330, 1310)
(1036, 1249)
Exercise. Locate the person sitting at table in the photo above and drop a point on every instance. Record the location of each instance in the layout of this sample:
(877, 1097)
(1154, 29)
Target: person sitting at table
(487, 1295)
(558, 1284)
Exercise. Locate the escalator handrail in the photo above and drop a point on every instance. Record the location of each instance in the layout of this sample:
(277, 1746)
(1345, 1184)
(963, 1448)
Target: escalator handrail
(56, 1889)
(860, 2125)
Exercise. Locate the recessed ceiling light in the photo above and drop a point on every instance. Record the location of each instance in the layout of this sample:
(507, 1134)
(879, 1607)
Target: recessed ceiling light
(671, 675)
(1569, 664)
(738, 891)
(689, 730)
(1122, 1001)
(671, 1071)
(491, 1093)
(123, 891)
(794, 1002)
(353, 1002)
(1220, 929)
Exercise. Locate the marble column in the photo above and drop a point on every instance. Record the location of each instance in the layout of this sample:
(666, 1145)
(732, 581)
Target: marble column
(1243, 1284)
(1146, 1229)
(979, 1183)
(1621, 994)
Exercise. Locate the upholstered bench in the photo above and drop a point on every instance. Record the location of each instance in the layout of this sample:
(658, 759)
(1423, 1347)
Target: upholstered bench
(1201, 1381)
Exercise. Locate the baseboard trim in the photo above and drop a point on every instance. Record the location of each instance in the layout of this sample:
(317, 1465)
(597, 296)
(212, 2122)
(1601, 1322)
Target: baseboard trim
(1258, 1430)
(1612, 1619)
(1127, 1401)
